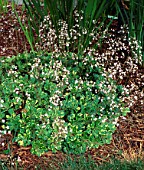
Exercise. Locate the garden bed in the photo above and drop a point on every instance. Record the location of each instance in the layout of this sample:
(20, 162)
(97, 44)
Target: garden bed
(128, 139)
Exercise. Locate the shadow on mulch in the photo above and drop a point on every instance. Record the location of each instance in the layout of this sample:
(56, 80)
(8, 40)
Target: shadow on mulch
(128, 139)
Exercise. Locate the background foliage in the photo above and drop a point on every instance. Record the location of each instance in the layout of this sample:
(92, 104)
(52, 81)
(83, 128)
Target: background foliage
(128, 12)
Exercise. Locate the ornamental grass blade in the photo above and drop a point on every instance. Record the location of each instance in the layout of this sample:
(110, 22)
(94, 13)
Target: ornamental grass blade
(27, 29)
(94, 11)
(136, 25)
(54, 12)
(36, 12)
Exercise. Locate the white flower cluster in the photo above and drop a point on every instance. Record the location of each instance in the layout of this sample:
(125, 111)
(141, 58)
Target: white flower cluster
(68, 39)
(120, 59)
(60, 130)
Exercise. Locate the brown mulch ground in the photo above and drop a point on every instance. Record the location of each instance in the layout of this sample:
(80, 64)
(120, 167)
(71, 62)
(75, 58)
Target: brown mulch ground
(128, 140)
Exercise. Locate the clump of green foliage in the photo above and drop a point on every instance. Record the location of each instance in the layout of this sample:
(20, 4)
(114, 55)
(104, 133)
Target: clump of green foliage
(58, 102)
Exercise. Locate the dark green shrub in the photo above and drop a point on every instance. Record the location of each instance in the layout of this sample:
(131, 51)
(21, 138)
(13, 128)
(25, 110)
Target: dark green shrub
(58, 102)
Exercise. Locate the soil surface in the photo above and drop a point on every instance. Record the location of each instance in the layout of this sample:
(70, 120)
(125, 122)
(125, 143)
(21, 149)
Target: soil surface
(128, 139)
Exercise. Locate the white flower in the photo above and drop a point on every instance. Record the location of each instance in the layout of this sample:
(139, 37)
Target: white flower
(4, 132)
(3, 120)
(21, 85)
(7, 127)
(3, 144)
(18, 159)
(104, 120)
(16, 89)
(1, 101)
